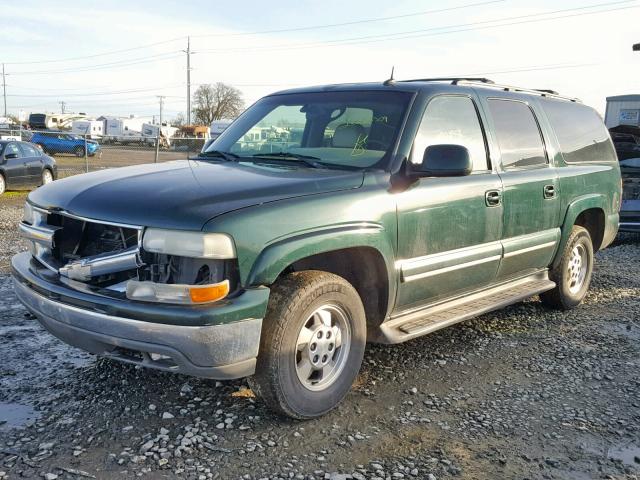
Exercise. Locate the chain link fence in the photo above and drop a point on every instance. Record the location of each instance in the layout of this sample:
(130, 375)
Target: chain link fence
(80, 153)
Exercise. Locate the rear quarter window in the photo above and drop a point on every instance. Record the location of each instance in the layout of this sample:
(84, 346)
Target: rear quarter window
(580, 131)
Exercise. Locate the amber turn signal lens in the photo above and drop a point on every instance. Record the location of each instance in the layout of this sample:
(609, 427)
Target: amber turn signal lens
(209, 293)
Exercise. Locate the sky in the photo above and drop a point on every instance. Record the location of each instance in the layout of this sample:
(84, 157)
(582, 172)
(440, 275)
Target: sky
(115, 58)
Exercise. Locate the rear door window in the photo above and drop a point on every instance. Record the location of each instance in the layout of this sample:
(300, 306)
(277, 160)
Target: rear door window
(518, 134)
(580, 131)
(28, 150)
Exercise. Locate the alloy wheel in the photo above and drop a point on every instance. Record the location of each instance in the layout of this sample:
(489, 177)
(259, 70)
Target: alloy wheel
(322, 347)
(578, 267)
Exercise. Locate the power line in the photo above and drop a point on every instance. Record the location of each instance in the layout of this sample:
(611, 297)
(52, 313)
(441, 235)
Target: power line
(111, 65)
(95, 55)
(297, 29)
(420, 33)
(92, 94)
(355, 22)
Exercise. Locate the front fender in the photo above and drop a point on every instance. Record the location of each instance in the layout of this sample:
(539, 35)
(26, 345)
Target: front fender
(277, 256)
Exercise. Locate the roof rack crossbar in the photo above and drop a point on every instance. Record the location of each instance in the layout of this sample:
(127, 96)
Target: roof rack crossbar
(453, 80)
(511, 88)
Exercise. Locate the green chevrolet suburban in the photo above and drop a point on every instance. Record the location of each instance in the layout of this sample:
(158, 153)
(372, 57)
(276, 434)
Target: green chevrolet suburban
(322, 219)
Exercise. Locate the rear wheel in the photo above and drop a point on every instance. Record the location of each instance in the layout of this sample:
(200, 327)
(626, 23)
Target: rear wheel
(47, 176)
(3, 184)
(573, 273)
(312, 344)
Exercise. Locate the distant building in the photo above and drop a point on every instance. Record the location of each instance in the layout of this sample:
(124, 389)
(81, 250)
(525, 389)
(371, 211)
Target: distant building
(622, 110)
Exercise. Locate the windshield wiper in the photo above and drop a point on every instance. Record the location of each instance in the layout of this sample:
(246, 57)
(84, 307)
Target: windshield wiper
(306, 159)
(228, 156)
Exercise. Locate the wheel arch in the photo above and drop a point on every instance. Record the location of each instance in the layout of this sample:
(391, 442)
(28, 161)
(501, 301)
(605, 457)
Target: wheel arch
(589, 212)
(361, 255)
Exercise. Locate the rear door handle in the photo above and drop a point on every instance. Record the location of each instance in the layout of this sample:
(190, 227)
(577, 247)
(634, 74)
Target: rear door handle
(549, 191)
(492, 198)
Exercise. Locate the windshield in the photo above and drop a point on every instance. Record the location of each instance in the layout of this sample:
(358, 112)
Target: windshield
(356, 129)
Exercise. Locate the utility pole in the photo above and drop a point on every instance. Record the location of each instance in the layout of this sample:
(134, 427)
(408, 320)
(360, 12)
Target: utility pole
(62, 105)
(161, 98)
(4, 90)
(188, 51)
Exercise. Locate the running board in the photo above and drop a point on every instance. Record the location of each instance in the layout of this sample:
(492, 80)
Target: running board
(430, 319)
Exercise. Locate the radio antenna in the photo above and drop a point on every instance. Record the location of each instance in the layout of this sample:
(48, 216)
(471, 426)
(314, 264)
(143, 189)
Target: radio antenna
(390, 80)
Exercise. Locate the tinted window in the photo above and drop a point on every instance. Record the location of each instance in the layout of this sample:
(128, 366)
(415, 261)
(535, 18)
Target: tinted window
(451, 120)
(581, 134)
(517, 133)
(28, 150)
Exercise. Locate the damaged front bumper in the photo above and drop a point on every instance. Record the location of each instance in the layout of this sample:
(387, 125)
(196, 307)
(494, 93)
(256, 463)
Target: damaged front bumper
(214, 341)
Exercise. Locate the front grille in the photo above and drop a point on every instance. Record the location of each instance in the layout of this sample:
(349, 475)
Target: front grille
(77, 238)
(100, 254)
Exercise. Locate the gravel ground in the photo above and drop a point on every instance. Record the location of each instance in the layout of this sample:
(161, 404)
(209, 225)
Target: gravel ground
(523, 393)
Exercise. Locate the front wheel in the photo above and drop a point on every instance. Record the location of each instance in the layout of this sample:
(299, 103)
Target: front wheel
(573, 272)
(3, 184)
(312, 344)
(79, 152)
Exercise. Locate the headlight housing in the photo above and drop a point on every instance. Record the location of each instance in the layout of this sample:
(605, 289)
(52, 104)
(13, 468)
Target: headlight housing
(189, 244)
(183, 267)
(177, 294)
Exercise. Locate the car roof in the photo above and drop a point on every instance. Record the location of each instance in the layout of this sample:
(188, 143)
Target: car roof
(430, 86)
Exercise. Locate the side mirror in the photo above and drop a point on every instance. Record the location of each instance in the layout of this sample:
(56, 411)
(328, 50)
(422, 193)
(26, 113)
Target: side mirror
(444, 161)
(9, 156)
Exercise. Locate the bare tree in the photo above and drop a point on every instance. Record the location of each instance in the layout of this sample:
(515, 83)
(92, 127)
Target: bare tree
(178, 120)
(214, 102)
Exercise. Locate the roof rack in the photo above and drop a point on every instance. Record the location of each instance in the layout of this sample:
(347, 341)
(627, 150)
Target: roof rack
(485, 82)
(453, 80)
(541, 92)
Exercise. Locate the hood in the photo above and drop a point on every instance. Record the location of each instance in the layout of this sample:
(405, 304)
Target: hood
(185, 194)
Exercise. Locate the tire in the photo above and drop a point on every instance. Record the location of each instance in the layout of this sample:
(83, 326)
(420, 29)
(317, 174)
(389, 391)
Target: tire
(573, 273)
(323, 308)
(47, 176)
(3, 184)
(78, 152)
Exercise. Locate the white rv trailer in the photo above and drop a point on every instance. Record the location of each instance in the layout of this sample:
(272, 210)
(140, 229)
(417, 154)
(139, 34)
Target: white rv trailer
(124, 130)
(93, 128)
(217, 127)
(151, 130)
(54, 121)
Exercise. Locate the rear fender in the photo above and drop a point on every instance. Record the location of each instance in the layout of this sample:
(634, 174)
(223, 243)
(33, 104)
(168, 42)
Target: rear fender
(574, 209)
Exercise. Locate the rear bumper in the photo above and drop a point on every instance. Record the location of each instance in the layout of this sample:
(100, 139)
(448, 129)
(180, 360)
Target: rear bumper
(219, 351)
(630, 216)
(629, 227)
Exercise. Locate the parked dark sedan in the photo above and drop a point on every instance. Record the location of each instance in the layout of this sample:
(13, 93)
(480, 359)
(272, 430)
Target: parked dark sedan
(23, 166)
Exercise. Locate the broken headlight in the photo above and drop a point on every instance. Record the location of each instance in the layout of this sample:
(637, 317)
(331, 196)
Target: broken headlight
(184, 267)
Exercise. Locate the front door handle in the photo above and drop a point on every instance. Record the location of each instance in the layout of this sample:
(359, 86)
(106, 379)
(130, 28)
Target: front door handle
(549, 191)
(492, 198)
